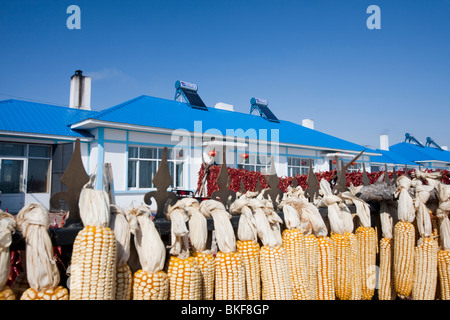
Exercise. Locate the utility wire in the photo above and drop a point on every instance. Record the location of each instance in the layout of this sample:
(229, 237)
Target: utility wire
(33, 100)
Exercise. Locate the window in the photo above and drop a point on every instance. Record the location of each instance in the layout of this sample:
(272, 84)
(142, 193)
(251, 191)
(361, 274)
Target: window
(12, 149)
(18, 161)
(358, 166)
(143, 162)
(254, 162)
(298, 166)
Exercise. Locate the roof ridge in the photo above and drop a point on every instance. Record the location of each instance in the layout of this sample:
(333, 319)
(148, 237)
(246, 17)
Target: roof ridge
(44, 104)
(119, 106)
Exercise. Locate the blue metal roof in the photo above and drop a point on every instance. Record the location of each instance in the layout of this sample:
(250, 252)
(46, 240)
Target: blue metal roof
(19, 116)
(170, 114)
(416, 153)
(390, 157)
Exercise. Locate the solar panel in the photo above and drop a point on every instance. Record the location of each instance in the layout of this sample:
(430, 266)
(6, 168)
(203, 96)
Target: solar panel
(261, 106)
(268, 114)
(193, 98)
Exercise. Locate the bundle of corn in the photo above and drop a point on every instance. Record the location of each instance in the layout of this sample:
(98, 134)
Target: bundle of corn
(323, 257)
(42, 273)
(198, 236)
(313, 227)
(367, 245)
(294, 242)
(229, 266)
(444, 230)
(386, 288)
(183, 270)
(7, 225)
(151, 281)
(274, 264)
(93, 268)
(425, 253)
(124, 277)
(404, 239)
(339, 219)
(249, 247)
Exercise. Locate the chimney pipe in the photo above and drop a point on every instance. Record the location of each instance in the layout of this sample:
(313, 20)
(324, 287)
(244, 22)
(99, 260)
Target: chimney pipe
(308, 123)
(384, 142)
(80, 91)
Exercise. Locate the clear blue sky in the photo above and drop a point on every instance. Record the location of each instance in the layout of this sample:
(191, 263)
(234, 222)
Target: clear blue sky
(309, 59)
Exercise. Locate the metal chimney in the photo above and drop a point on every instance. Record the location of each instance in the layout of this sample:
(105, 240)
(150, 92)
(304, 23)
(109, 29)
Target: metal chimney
(384, 142)
(309, 123)
(80, 91)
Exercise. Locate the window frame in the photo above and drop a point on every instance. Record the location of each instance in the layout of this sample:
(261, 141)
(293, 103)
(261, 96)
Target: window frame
(26, 159)
(302, 169)
(138, 160)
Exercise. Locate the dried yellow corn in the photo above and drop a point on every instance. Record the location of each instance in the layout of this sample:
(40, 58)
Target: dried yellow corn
(124, 277)
(93, 268)
(442, 213)
(312, 260)
(274, 264)
(229, 266)
(7, 294)
(43, 274)
(404, 240)
(198, 236)
(367, 240)
(206, 262)
(183, 270)
(151, 281)
(338, 218)
(425, 253)
(386, 289)
(249, 248)
(326, 269)
(355, 269)
(184, 279)
(294, 242)
(425, 269)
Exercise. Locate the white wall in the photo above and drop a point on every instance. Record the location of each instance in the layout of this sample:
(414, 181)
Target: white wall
(93, 156)
(115, 153)
(41, 198)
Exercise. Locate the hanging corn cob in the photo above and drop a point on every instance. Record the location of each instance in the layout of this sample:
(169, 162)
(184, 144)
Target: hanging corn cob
(124, 277)
(444, 231)
(43, 274)
(183, 270)
(316, 228)
(294, 242)
(247, 244)
(322, 255)
(404, 239)
(198, 235)
(151, 281)
(386, 289)
(93, 268)
(229, 267)
(275, 277)
(367, 241)
(425, 253)
(337, 219)
(7, 225)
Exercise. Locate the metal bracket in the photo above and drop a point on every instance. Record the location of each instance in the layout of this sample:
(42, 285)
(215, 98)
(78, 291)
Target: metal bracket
(162, 181)
(74, 178)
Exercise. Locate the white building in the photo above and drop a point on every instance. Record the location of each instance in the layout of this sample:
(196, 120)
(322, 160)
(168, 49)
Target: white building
(36, 143)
